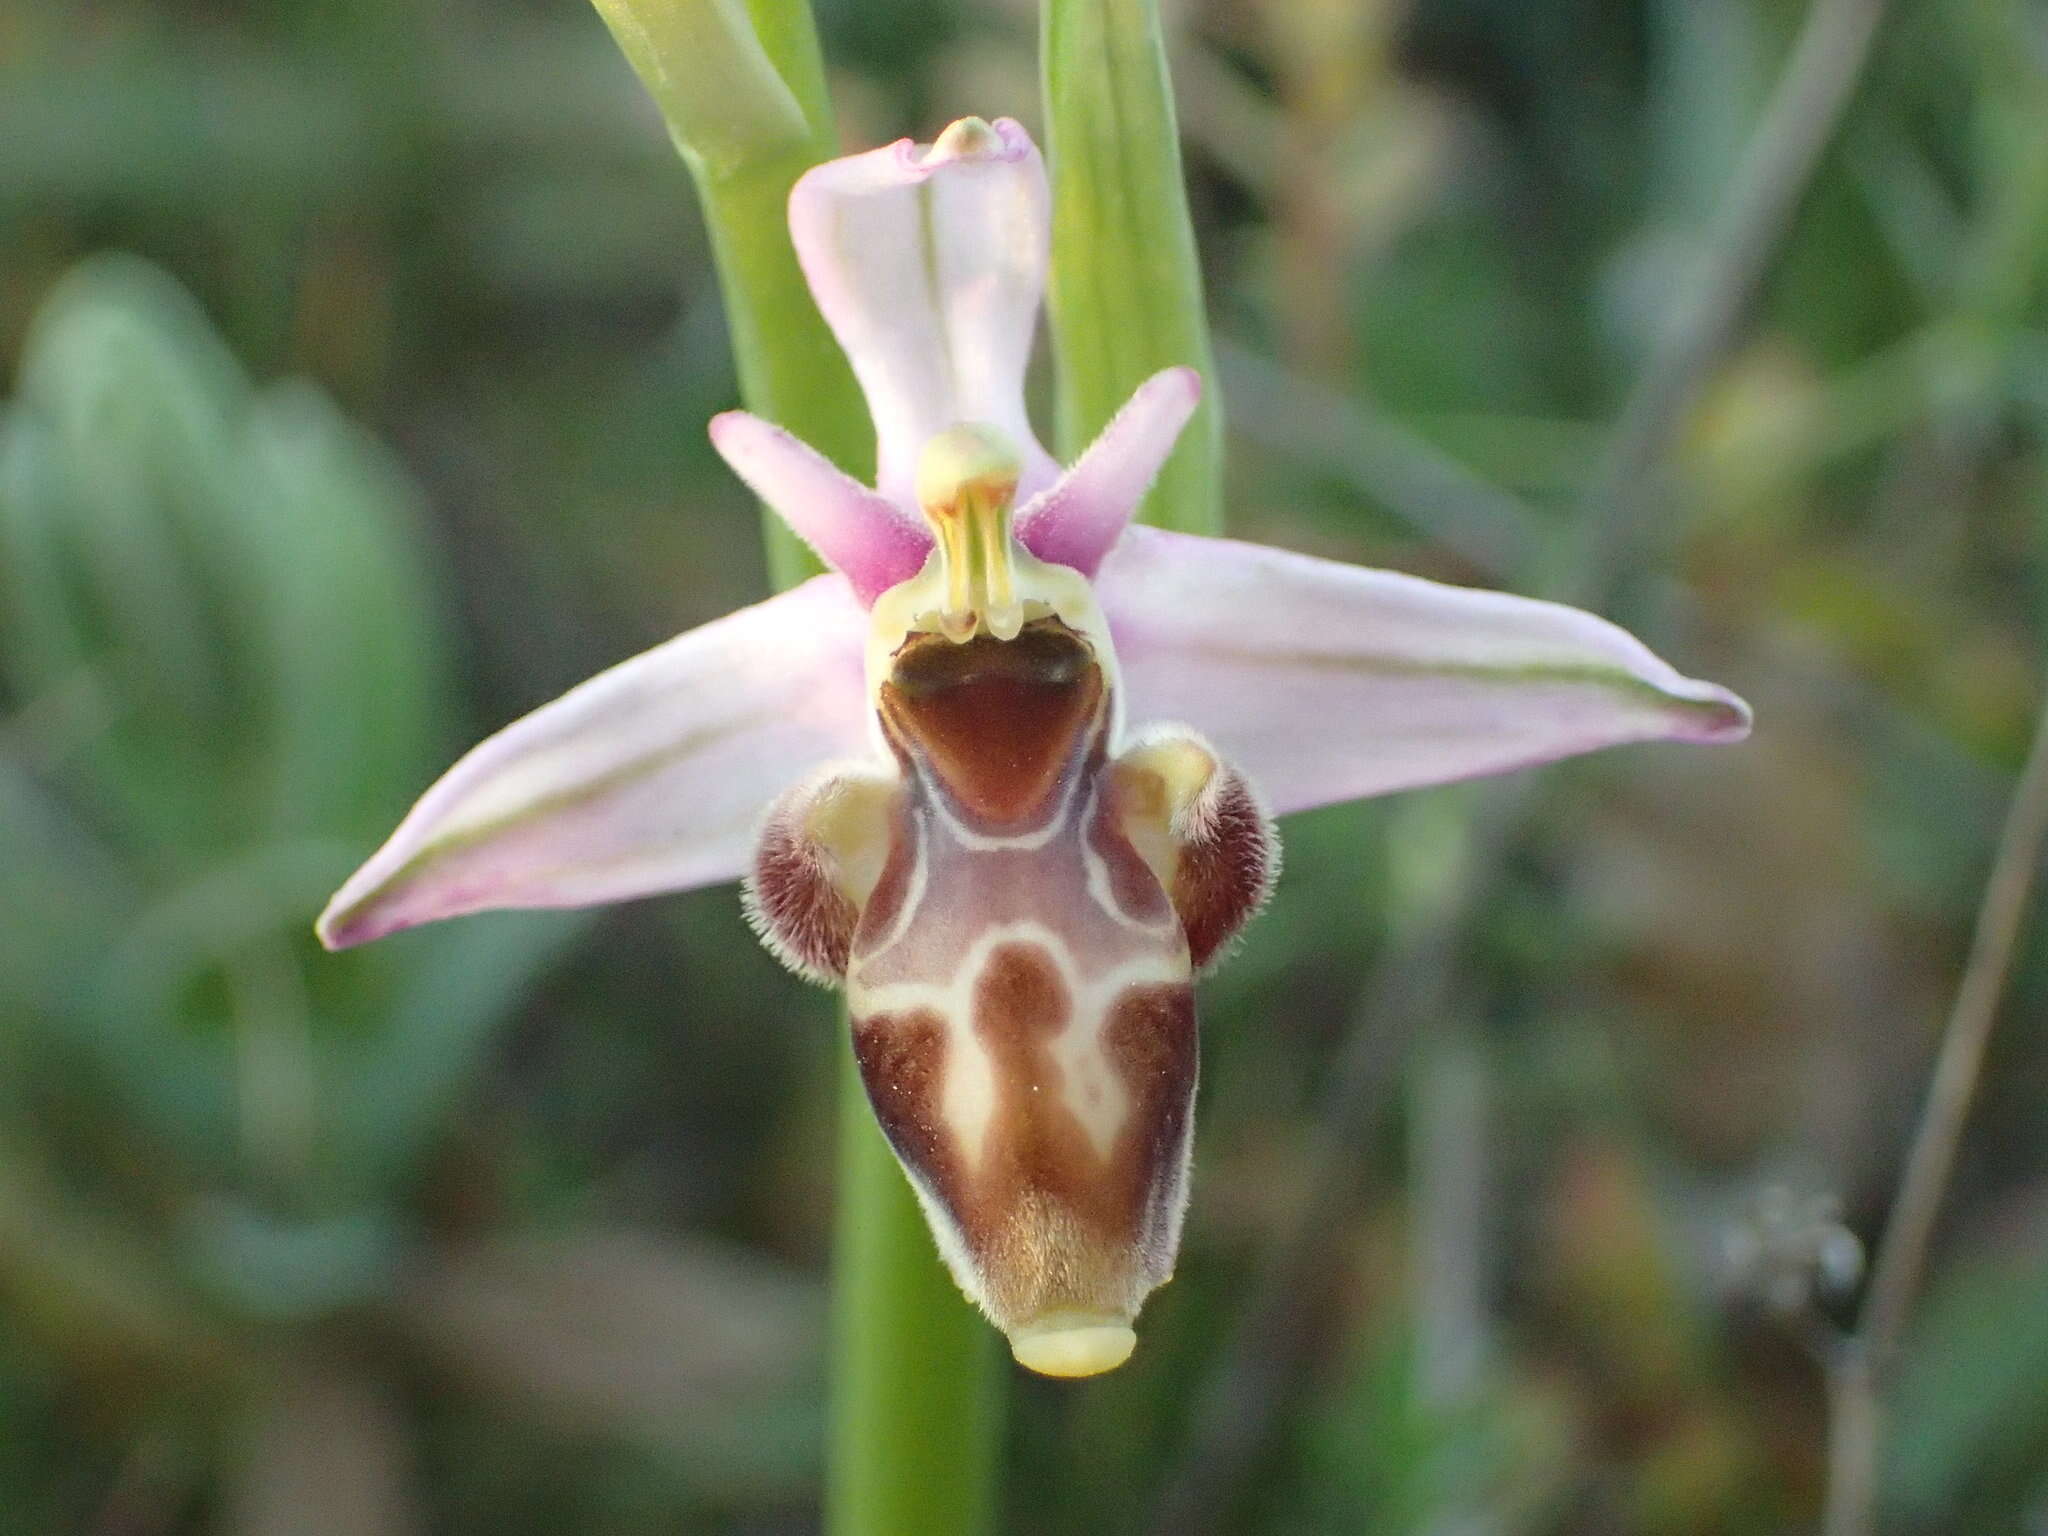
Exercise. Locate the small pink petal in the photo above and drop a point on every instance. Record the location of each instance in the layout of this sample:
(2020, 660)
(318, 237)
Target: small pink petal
(1081, 517)
(649, 777)
(929, 264)
(1328, 682)
(863, 536)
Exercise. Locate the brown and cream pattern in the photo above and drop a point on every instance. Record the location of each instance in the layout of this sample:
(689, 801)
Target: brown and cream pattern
(1021, 979)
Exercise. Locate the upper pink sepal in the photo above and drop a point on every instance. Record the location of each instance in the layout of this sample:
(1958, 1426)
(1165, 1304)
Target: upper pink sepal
(1079, 519)
(862, 535)
(650, 777)
(928, 262)
(1328, 682)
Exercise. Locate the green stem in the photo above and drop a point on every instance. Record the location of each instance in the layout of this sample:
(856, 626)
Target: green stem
(1125, 297)
(916, 1375)
(791, 370)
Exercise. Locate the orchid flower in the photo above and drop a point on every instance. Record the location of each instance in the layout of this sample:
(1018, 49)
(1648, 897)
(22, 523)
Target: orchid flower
(1007, 772)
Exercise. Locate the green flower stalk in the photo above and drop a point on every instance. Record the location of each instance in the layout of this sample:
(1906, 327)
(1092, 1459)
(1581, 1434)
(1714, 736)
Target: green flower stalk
(916, 1393)
(1125, 298)
(743, 93)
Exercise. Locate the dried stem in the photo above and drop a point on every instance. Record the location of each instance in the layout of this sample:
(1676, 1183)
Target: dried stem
(1263, 1365)
(1861, 1364)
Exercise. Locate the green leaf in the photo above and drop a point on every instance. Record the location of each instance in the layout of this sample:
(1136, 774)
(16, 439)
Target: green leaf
(117, 472)
(217, 629)
(791, 370)
(706, 68)
(62, 897)
(1125, 296)
(342, 617)
(459, 983)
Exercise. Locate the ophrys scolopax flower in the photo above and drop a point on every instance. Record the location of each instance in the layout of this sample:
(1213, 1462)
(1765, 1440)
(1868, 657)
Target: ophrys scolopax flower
(1007, 772)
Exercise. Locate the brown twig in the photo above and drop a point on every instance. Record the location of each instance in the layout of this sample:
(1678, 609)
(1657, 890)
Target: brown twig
(1263, 1364)
(1859, 1366)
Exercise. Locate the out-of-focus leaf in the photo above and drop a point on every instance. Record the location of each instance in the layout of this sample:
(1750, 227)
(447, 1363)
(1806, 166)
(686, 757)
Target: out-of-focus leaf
(457, 983)
(91, 1290)
(1615, 1274)
(36, 1434)
(1709, 72)
(240, 575)
(344, 620)
(282, 1269)
(1374, 456)
(232, 584)
(62, 896)
(206, 985)
(1452, 324)
(119, 468)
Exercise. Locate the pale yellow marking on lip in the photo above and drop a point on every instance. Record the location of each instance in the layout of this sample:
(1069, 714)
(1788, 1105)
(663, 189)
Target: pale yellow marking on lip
(1091, 1089)
(967, 1097)
(1157, 782)
(1073, 1344)
(967, 1101)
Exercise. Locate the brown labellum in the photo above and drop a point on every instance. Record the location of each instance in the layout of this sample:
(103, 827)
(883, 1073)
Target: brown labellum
(1018, 924)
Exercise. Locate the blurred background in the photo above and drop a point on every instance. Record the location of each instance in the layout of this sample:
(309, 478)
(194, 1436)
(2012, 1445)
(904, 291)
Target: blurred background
(354, 364)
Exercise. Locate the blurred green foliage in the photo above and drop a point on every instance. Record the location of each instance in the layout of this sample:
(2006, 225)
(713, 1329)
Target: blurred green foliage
(214, 595)
(229, 677)
(518, 1226)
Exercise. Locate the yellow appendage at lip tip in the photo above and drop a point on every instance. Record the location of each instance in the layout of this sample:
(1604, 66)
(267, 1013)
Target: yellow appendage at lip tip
(1073, 1346)
(966, 482)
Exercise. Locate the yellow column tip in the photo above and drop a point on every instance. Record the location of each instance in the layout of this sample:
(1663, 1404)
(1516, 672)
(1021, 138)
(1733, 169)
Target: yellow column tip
(1073, 1346)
